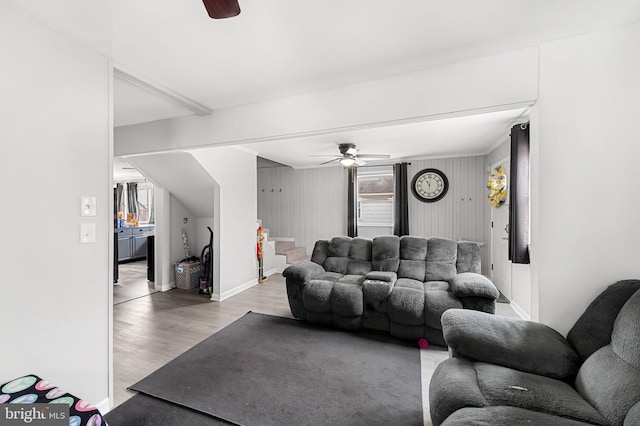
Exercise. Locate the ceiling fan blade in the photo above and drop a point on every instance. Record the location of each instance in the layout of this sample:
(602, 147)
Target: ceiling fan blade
(220, 9)
(374, 156)
(331, 161)
(352, 151)
(360, 162)
(325, 155)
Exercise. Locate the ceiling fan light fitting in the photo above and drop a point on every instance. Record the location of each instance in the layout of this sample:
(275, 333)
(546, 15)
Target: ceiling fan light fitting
(347, 161)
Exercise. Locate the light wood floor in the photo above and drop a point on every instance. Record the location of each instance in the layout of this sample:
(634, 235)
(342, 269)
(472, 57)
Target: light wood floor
(152, 330)
(132, 282)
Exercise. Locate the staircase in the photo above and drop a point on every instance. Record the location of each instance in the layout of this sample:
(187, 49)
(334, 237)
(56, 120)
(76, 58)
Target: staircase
(287, 247)
(285, 251)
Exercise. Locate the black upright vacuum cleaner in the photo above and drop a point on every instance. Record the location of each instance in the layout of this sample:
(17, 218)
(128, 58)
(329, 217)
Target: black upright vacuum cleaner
(206, 280)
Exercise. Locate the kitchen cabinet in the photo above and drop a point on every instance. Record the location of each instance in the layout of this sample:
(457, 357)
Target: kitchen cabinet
(132, 242)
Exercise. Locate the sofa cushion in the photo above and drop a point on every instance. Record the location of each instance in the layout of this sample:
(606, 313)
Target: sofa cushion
(525, 345)
(505, 416)
(610, 378)
(469, 284)
(441, 259)
(593, 329)
(346, 299)
(625, 339)
(339, 247)
(413, 253)
(406, 302)
(329, 276)
(453, 385)
(385, 253)
(468, 257)
(436, 285)
(435, 303)
(609, 383)
(303, 271)
(352, 279)
(376, 294)
(409, 283)
(320, 252)
(316, 295)
(506, 386)
(414, 269)
(360, 249)
(359, 257)
(336, 264)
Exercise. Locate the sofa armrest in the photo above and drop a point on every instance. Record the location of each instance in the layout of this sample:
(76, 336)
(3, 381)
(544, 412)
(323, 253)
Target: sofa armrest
(387, 277)
(303, 271)
(470, 284)
(523, 345)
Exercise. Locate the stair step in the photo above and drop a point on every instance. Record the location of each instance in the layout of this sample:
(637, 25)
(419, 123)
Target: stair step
(295, 254)
(282, 246)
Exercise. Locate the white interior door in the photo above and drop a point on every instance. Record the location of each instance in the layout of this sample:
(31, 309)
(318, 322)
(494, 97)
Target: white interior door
(500, 264)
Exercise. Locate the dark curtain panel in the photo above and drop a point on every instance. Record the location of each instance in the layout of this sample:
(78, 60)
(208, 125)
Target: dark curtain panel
(119, 198)
(401, 200)
(132, 199)
(519, 195)
(352, 219)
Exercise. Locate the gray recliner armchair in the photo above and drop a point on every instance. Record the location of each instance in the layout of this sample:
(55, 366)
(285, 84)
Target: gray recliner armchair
(505, 371)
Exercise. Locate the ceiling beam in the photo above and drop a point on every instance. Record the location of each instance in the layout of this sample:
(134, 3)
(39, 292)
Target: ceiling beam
(157, 89)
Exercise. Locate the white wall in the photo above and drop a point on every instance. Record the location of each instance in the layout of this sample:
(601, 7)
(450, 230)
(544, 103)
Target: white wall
(585, 227)
(56, 147)
(178, 215)
(307, 204)
(460, 215)
(234, 254)
(494, 81)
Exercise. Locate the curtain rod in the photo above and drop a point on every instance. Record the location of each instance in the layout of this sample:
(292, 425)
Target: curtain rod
(379, 165)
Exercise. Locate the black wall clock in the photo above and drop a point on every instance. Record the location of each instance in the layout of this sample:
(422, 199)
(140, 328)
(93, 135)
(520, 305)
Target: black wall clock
(429, 185)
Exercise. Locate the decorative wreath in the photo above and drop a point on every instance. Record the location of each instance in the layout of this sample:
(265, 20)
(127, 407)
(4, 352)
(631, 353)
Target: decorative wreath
(497, 187)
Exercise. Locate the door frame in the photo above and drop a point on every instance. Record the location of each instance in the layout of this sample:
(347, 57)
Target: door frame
(491, 242)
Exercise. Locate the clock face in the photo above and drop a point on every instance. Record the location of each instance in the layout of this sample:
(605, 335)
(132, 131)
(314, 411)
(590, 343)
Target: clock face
(429, 185)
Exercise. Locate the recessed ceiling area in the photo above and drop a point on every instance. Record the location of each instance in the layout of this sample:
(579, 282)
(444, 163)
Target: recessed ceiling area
(475, 134)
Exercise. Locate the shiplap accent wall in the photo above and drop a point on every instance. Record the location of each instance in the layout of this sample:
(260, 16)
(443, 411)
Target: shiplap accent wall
(461, 214)
(307, 204)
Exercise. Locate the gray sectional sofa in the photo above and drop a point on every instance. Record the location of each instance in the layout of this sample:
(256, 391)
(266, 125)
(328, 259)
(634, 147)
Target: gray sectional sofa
(400, 285)
(506, 371)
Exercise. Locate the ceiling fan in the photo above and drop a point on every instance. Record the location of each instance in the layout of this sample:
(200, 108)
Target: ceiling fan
(349, 156)
(220, 9)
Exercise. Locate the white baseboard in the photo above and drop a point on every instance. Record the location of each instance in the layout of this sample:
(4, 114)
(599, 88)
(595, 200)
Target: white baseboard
(167, 286)
(227, 294)
(104, 406)
(521, 312)
(271, 272)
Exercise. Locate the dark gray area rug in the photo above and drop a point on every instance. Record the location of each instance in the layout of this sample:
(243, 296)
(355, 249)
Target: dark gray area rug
(144, 410)
(266, 370)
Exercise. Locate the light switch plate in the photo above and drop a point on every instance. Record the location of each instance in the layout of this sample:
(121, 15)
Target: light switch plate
(88, 206)
(87, 233)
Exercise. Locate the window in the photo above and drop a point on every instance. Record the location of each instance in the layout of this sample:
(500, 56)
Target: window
(144, 205)
(375, 201)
